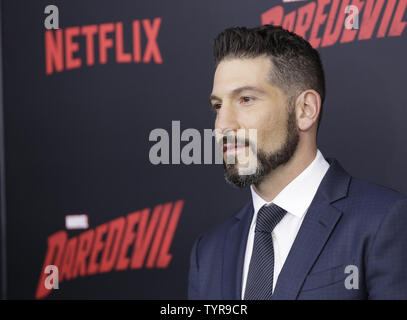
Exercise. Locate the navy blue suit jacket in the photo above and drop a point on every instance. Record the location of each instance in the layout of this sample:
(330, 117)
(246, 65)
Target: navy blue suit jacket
(349, 223)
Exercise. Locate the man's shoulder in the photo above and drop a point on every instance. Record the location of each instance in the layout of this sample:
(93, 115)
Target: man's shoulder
(371, 202)
(358, 190)
(372, 193)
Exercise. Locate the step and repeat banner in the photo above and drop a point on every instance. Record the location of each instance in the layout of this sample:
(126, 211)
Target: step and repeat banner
(90, 88)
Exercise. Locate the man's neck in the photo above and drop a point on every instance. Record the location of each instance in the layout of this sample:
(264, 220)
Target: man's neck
(280, 177)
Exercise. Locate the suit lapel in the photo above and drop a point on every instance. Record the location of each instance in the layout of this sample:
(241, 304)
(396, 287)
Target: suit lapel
(234, 252)
(318, 224)
(315, 230)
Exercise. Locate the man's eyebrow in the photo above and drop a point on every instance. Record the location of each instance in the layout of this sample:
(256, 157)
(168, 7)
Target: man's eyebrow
(237, 91)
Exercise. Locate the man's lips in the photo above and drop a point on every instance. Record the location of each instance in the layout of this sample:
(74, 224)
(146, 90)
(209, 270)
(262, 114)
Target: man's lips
(231, 147)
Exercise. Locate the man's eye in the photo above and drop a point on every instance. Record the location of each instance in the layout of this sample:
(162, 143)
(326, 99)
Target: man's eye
(216, 106)
(246, 99)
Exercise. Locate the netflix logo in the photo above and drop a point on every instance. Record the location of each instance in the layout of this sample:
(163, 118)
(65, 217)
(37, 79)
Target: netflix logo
(62, 46)
(141, 239)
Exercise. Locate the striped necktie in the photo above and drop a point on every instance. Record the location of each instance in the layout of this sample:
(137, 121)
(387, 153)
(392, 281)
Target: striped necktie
(259, 285)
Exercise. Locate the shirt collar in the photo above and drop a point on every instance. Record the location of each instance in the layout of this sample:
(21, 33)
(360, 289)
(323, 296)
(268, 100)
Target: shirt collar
(297, 196)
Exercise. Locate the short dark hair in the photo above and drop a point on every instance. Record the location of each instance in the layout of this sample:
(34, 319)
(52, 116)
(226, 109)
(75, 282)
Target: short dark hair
(297, 65)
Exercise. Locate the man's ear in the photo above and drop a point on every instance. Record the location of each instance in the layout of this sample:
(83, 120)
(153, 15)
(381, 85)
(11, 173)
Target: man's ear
(307, 107)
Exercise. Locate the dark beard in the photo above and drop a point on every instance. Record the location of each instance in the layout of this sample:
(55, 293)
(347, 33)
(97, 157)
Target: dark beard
(266, 162)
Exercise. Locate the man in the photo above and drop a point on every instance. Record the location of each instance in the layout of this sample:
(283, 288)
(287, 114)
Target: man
(311, 231)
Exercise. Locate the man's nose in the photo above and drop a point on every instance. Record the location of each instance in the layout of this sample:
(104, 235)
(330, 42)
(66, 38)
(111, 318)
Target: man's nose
(226, 119)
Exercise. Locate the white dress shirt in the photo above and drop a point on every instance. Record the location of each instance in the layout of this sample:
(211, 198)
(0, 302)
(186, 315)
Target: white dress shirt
(295, 198)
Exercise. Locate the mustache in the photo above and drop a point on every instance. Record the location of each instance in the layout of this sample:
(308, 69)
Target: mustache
(235, 140)
(239, 142)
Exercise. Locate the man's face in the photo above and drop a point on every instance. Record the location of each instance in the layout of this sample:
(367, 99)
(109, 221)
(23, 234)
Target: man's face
(245, 99)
